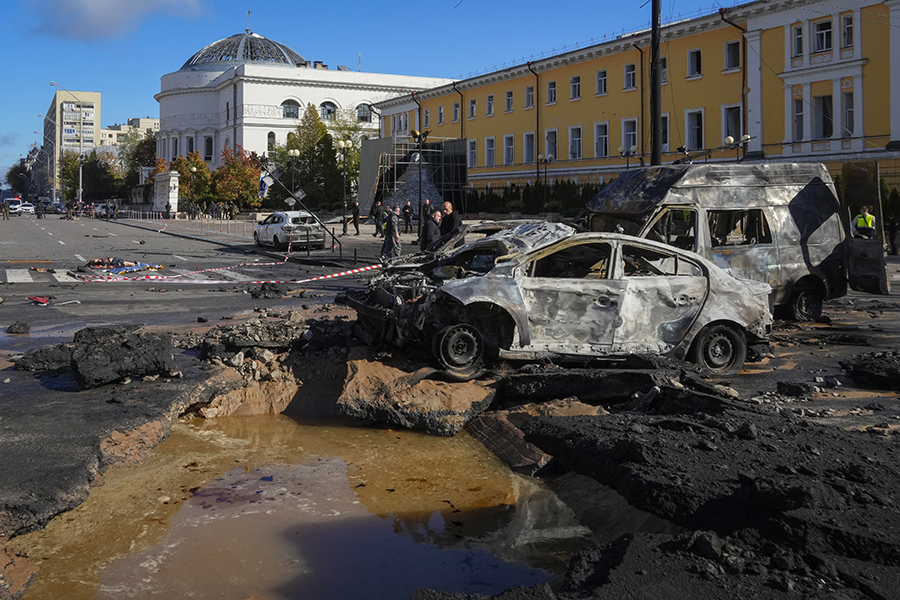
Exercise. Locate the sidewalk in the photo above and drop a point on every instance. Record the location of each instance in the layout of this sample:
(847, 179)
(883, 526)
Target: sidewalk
(349, 251)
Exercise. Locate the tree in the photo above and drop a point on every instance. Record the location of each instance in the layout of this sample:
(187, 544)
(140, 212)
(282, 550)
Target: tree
(237, 179)
(193, 184)
(139, 150)
(69, 168)
(101, 178)
(19, 184)
(348, 127)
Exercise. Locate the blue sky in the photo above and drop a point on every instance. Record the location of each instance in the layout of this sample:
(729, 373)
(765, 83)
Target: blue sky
(121, 48)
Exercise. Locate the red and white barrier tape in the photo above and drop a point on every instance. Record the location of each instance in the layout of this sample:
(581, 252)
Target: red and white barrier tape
(224, 281)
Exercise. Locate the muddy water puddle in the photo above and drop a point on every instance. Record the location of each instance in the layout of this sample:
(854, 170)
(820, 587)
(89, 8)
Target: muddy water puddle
(273, 507)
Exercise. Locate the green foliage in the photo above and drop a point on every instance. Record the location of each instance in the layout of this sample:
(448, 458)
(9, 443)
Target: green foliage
(139, 150)
(194, 177)
(101, 178)
(15, 182)
(237, 179)
(69, 169)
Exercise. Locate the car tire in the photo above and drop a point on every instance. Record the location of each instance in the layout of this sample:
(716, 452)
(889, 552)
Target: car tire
(256, 239)
(459, 349)
(278, 244)
(719, 350)
(806, 304)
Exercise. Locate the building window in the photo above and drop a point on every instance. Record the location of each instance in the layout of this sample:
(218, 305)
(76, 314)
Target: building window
(663, 70)
(174, 147)
(456, 112)
(574, 143)
(695, 65)
(551, 92)
(629, 133)
(575, 87)
(798, 119)
(509, 149)
(472, 108)
(405, 119)
(509, 101)
(797, 41)
(695, 130)
(601, 82)
(528, 147)
(271, 141)
(630, 76)
(732, 122)
(823, 111)
(489, 152)
(550, 143)
(364, 113)
(732, 55)
(426, 118)
(207, 149)
(190, 144)
(848, 115)
(664, 133)
(440, 115)
(529, 96)
(601, 140)
(822, 36)
(489, 105)
(847, 31)
(327, 111)
(290, 110)
(473, 154)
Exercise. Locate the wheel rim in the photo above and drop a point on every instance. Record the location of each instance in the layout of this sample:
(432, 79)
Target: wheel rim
(460, 347)
(806, 304)
(718, 352)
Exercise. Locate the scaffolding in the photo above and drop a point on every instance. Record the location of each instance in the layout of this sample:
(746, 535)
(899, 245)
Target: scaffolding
(393, 170)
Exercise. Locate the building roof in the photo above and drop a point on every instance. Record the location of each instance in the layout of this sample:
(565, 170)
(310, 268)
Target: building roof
(243, 48)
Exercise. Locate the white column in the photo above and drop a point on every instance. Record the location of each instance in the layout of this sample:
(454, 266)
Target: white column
(894, 86)
(754, 91)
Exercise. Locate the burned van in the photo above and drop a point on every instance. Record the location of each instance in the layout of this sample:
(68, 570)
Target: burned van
(777, 223)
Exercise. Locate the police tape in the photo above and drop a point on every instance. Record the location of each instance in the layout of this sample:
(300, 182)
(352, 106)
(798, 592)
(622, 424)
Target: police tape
(161, 278)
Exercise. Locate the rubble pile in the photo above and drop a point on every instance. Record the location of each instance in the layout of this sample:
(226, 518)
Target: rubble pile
(875, 370)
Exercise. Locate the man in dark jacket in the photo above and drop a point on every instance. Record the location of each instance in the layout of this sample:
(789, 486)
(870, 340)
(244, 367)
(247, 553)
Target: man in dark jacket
(356, 217)
(408, 217)
(378, 216)
(451, 221)
(391, 246)
(431, 230)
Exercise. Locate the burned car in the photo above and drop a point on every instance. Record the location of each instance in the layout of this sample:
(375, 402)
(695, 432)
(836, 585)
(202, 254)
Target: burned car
(543, 290)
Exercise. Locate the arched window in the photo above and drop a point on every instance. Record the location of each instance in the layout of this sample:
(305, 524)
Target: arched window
(190, 144)
(364, 113)
(290, 109)
(271, 144)
(208, 149)
(327, 111)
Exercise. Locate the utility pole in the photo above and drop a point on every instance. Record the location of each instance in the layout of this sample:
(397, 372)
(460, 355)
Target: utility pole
(655, 88)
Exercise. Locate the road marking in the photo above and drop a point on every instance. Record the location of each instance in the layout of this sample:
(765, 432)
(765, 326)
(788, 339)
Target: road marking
(95, 229)
(80, 257)
(48, 233)
(18, 276)
(181, 258)
(235, 276)
(61, 242)
(136, 241)
(114, 235)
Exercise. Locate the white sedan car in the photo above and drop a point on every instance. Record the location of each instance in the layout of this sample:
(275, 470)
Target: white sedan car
(297, 227)
(23, 208)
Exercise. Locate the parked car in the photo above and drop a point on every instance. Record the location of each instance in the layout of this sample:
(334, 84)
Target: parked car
(23, 208)
(56, 208)
(544, 290)
(298, 227)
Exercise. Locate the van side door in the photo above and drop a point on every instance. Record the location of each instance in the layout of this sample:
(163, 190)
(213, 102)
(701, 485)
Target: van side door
(741, 243)
(866, 270)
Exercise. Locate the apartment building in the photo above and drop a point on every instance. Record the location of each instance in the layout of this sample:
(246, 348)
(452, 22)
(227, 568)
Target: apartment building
(71, 124)
(806, 80)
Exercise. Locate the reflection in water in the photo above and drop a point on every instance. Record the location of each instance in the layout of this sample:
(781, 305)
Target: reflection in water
(269, 507)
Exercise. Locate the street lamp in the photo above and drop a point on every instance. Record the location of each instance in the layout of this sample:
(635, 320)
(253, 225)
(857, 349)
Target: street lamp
(627, 154)
(48, 157)
(419, 138)
(80, 140)
(545, 160)
(294, 154)
(55, 153)
(343, 146)
(193, 190)
(27, 186)
(737, 145)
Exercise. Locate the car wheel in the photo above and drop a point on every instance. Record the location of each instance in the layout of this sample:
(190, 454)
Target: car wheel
(720, 349)
(278, 244)
(806, 304)
(256, 239)
(459, 350)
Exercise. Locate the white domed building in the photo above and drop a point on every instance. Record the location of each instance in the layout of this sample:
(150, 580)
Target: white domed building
(249, 91)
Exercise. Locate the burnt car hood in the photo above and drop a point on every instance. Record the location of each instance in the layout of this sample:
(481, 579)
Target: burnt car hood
(523, 238)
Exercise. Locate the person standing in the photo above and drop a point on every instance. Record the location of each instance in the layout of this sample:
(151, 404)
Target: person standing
(863, 224)
(5, 210)
(39, 210)
(356, 217)
(431, 231)
(892, 225)
(377, 216)
(408, 217)
(451, 221)
(391, 246)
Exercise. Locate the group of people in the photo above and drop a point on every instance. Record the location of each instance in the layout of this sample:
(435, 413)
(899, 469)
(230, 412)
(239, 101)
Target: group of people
(434, 223)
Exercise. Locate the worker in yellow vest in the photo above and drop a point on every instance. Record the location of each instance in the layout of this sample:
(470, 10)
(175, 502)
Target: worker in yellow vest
(863, 224)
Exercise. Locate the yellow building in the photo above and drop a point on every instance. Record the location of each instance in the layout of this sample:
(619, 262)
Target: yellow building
(806, 80)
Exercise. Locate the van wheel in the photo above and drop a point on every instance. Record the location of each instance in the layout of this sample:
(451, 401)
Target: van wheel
(460, 351)
(806, 304)
(720, 350)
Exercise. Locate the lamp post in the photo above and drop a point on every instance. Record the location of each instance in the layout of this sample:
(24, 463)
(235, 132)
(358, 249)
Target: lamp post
(419, 138)
(343, 146)
(545, 160)
(193, 190)
(80, 140)
(54, 162)
(627, 154)
(293, 153)
(27, 186)
(737, 145)
(55, 153)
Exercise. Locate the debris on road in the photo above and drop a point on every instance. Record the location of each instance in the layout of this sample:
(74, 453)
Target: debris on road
(19, 327)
